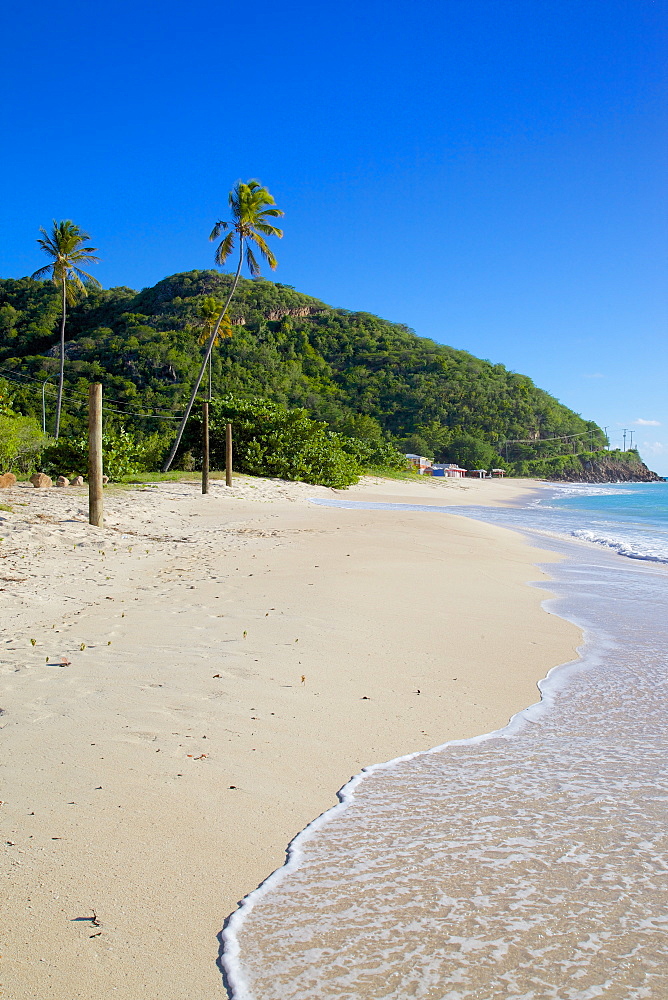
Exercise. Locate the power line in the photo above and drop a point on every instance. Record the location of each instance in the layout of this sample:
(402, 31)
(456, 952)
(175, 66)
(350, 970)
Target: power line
(72, 392)
(109, 409)
(561, 437)
(135, 413)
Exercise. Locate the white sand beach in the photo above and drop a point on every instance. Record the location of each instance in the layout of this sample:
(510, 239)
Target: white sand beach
(186, 688)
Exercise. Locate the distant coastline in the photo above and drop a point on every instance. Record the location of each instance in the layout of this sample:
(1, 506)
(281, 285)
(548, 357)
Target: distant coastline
(609, 469)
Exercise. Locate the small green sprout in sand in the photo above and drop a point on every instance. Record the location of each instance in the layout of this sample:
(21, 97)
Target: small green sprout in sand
(33, 642)
(109, 643)
(82, 646)
(245, 633)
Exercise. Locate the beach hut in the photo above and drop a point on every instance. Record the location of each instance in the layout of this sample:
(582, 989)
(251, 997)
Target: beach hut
(480, 473)
(421, 464)
(498, 473)
(450, 470)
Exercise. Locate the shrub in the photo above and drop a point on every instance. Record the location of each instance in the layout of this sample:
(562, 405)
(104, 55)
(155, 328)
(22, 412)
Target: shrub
(21, 439)
(122, 455)
(370, 454)
(271, 440)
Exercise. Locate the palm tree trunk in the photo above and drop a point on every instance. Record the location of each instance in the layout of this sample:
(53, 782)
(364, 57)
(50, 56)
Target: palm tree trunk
(209, 348)
(59, 401)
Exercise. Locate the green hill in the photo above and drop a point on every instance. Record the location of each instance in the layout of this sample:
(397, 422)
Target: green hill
(362, 375)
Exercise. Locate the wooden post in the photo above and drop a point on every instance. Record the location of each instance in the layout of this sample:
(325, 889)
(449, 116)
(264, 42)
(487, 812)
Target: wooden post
(95, 496)
(205, 447)
(228, 454)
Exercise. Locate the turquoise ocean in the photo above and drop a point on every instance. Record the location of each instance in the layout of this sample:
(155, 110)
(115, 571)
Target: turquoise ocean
(529, 863)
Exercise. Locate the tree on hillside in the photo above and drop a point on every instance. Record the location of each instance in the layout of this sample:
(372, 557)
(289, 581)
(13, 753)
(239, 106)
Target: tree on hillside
(252, 207)
(209, 312)
(64, 245)
(472, 453)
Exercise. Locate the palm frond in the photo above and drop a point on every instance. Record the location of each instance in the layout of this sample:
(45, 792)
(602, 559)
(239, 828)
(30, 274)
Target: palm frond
(264, 250)
(236, 197)
(83, 251)
(65, 245)
(74, 287)
(224, 249)
(209, 312)
(85, 278)
(219, 228)
(225, 329)
(41, 272)
(260, 243)
(271, 261)
(210, 308)
(82, 258)
(253, 265)
(252, 189)
(48, 244)
(268, 230)
(252, 206)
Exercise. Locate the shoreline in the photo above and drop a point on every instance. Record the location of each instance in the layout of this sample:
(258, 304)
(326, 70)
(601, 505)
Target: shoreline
(545, 808)
(318, 625)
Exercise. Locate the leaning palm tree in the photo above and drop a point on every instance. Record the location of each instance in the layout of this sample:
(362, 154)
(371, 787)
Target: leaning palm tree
(209, 312)
(252, 207)
(64, 245)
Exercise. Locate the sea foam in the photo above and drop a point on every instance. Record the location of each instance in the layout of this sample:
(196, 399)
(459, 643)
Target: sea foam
(525, 863)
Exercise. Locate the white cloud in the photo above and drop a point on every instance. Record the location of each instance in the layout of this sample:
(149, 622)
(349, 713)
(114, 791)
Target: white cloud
(647, 423)
(653, 447)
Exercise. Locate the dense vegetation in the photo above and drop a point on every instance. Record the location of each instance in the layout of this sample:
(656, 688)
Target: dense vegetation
(21, 438)
(272, 440)
(371, 382)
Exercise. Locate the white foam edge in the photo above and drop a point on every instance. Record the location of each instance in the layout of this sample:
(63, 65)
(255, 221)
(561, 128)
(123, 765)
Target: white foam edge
(622, 545)
(556, 680)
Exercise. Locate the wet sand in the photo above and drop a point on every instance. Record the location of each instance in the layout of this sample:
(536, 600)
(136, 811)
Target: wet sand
(243, 655)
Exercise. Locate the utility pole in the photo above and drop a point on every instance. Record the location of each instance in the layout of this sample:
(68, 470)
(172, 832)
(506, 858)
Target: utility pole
(607, 439)
(631, 445)
(44, 404)
(205, 447)
(95, 485)
(228, 454)
(625, 439)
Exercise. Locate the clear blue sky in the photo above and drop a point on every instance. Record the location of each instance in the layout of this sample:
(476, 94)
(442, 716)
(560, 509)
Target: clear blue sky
(490, 172)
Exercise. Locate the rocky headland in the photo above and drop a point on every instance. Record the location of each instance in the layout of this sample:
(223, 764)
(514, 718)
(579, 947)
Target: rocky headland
(611, 470)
